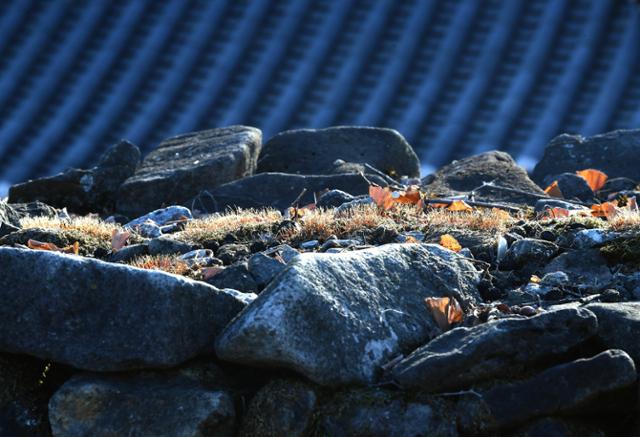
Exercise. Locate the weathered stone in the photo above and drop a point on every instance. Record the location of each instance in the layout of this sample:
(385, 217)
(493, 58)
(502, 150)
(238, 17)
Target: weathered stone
(167, 246)
(470, 173)
(336, 318)
(530, 252)
(129, 253)
(333, 199)
(314, 151)
(162, 216)
(83, 191)
(615, 153)
(35, 209)
(59, 237)
(589, 238)
(264, 268)
(230, 253)
(283, 407)
(103, 316)
(544, 204)
(619, 326)
(380, 413)
(573, 187)
(463, 356)
(562, 389)
(153, 405)
(616, 185)
(556, 427)
(278, 190)
(182, 166)
(8, 215)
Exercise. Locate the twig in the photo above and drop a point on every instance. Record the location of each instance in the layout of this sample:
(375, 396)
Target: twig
(294, 204)
(475, 203)
(388, 179)
(525, 193)
(461, 393)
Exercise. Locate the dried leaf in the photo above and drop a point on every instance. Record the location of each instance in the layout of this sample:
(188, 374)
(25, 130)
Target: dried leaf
(445, 311)
(553, 190)
(450, 243)
(385, 198)
(381, 196)
(501, 213)
(535, 279)
(556, 212)
(73, 249)
(595, 178)
(410, 239)
(459, 205)
(605, 209)
(119, 239)
(39, 245)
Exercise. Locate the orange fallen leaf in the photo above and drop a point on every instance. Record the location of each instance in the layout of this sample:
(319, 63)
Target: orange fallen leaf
(449, 242)
(595, 178)
(445, 311)
(410, 239)
(381, 196)
(553, 190)
(39, 245)
(605, 209)
(459, 205)
(74, 248)
(556, 212)
(119, 239)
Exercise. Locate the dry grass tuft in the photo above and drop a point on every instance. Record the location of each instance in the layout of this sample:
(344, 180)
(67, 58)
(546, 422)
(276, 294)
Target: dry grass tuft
(216, 226)
(87, 225)
(625, 221)
(165, 263)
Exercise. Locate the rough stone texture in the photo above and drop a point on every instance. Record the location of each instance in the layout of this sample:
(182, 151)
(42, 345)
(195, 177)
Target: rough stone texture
(264, 268)
(237, 277)
(8, 215)
(619, 326)
(101, 316)
(469, 173)
(615, 153)
(314, 151)
(166, 245)
(586, 267)
(182, 166)
(336, 318)
(528, 251)
(561, 389)
(146, 405)
(162, 216)
(615, 185)
(381, 413)
(543, 204)
(573, 186)
(494, 349)
(283, 407)
(83, 191)
(556, 427)
(277, 190)
(333, 199)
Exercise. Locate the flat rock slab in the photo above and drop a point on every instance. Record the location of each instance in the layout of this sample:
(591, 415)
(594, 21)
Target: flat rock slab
(616, 153)
(336, 318)
(83, 191)
(619, 326)
(467, 174)
(182, 166)
(562, 389)
(464, 356)
(100, 316)
(314, 151)
(151, 405)
(277, 190)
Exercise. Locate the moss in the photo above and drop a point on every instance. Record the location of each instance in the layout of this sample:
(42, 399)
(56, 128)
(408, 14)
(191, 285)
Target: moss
(623, 251)
(88, 243)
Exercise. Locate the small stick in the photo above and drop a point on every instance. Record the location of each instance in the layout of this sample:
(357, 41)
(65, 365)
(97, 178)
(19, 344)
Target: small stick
(475, 203)
(392, 182)
(295, 202)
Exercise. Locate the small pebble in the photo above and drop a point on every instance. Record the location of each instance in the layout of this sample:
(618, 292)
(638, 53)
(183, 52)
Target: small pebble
(308, 245)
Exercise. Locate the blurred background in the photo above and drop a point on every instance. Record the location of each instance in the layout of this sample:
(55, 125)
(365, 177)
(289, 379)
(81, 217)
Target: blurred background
(455, 77)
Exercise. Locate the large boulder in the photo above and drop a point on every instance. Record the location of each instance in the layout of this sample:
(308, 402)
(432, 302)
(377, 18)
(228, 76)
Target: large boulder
(616, 153)
(153, 405)
(182, 166)
(562, 389)
(336, 318)
(278, 190)
(83, 191)
(314, 151)
(105, 317)
(468, 174)
(493, 350)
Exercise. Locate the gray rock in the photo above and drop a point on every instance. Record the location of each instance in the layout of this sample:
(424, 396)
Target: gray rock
(557, 427)
(162, 216)
(230, 253)
(83, 191)
(153, 405)
(182, 166)
(309, 245)
(468, 174)
(359, 202)
(544, 204)
(615, 153)
(616, 185)
(619, 326)
(313, 151)
(589, 238)
(277, 190)
(167, 246)
(264, 268)
(381, 413)
(8, 215)
(575, 187)
(333, 199)
(35, 209)
(562, 389)
(200, 257)
(237, 277)
(6, 229)
(493, 349)
(286, 252)
(103, 316)
(339, 166)
(528, 252)
(336, 318)
(283, 407)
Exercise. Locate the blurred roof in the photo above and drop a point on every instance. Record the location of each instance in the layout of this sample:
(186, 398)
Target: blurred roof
(456, 77)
